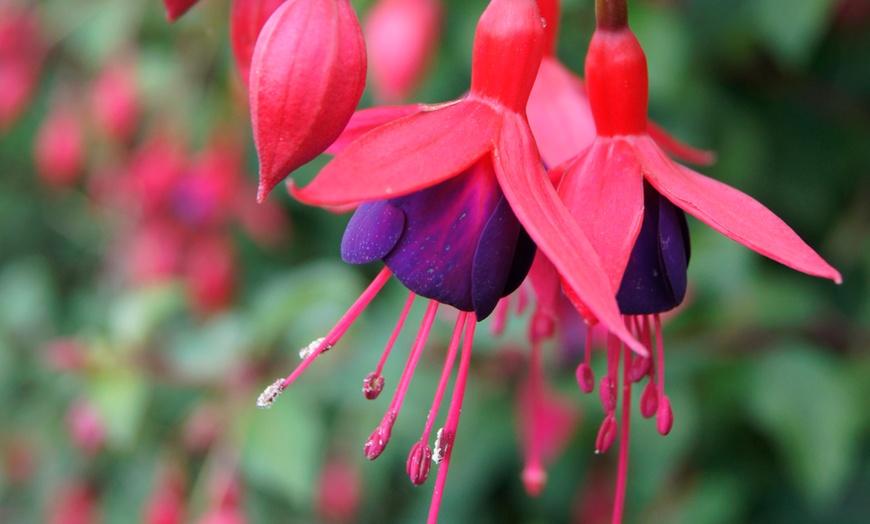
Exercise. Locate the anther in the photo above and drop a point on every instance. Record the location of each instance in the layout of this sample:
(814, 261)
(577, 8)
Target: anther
(608, 393)
(649, 400)
(268, 396)
(606, 435)
(664, 416)
(443, 440)
(585, 378)
(309, 350)
(373, 384)
(419, 462)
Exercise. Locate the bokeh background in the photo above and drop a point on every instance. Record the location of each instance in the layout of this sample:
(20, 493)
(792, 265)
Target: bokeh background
(146, 300)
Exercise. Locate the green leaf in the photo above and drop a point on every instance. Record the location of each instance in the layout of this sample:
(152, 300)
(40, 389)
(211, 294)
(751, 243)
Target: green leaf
(801, 398)
(120, 396)
(792, 30)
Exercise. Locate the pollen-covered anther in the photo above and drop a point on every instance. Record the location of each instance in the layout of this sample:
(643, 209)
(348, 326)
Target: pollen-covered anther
(649, 400)
(379, 438)
(606, 435)
(373, 384)
(585, 378)
(608, 393)
(308, 350)
(443, 441)
(268, 396)
(664, 416)
(419, 462)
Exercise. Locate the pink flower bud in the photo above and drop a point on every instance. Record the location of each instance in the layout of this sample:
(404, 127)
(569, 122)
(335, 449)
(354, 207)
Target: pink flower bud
(115, 101)
(607, 390)
(585, 378)
(21, 54)
(246, 21)
(606, 435)
(401, 35)
(664, 416)
(59, 148)
(373, 384)
(176, 8)
(649, 400)
(307, 76)
(339, 491)
(86, 428)
(419, 462)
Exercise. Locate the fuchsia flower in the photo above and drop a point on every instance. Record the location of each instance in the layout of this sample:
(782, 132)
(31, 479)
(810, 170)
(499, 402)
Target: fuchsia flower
(630, 198)
(59, 148)
(115, 100)
(247, 19)
(400, 37)
(449, 193)
(307, 76)
(21, 53)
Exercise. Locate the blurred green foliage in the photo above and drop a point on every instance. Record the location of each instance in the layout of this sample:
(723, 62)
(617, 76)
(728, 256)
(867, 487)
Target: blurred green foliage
(768, 370)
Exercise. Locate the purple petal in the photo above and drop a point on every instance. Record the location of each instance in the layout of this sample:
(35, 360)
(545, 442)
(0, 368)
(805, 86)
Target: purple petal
(372, 232)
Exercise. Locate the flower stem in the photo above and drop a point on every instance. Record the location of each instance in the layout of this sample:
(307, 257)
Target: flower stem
(611, 14)
(622, 468)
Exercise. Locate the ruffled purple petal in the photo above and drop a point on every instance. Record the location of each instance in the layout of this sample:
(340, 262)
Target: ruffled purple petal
(373, 231)
(655, 277)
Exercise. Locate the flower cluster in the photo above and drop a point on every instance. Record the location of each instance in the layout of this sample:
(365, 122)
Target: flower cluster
(534, 175)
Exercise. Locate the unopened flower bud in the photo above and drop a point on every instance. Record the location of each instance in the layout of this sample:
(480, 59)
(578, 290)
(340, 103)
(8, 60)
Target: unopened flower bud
(664, 416)
(585, 378)
(608, 393)
(419, 462)
(373, 384)
(606, 435)
(649, 400)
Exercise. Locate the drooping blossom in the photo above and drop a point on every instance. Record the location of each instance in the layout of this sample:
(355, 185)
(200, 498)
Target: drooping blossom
(459, 181)
(401, 36)
(630, 199)
(114, 98)
(21, 54)
(559, 112)
(307, 76)
(247, 18)
(59, 147)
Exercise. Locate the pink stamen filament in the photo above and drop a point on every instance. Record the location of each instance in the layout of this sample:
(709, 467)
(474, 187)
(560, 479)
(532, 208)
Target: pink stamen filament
(499, 318)
(413, 358)
(343, 324)
(533, 473)
(622, 468)
(660, 352)
(395, 335)
(445, 375)
(453, 416)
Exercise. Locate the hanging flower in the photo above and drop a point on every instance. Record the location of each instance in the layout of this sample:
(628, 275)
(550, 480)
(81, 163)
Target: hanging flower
(247, 19)
(630, 199)
(462, 181)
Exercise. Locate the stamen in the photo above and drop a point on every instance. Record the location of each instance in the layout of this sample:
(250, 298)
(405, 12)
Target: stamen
(499, 319)
(376, 444)
(585, 377)
(309, 350)
(445, 374)
(534, 476)
(606, 434)
(622, 468)
(373, 384)
(522, 295)
(442, 444)
(664, 414)
(419, 462)
(343, 324)
(446, 437)
(649, 400)
(268, 396)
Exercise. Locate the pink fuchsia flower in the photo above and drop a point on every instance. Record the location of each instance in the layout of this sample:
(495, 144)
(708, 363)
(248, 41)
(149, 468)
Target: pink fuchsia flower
(466, 175)
(21, 54)
(559, 112)
(247, 19)
(401, 36)
(176, 8)
(630, 199)
(59, 147)
(307, 77)
(114, 99)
